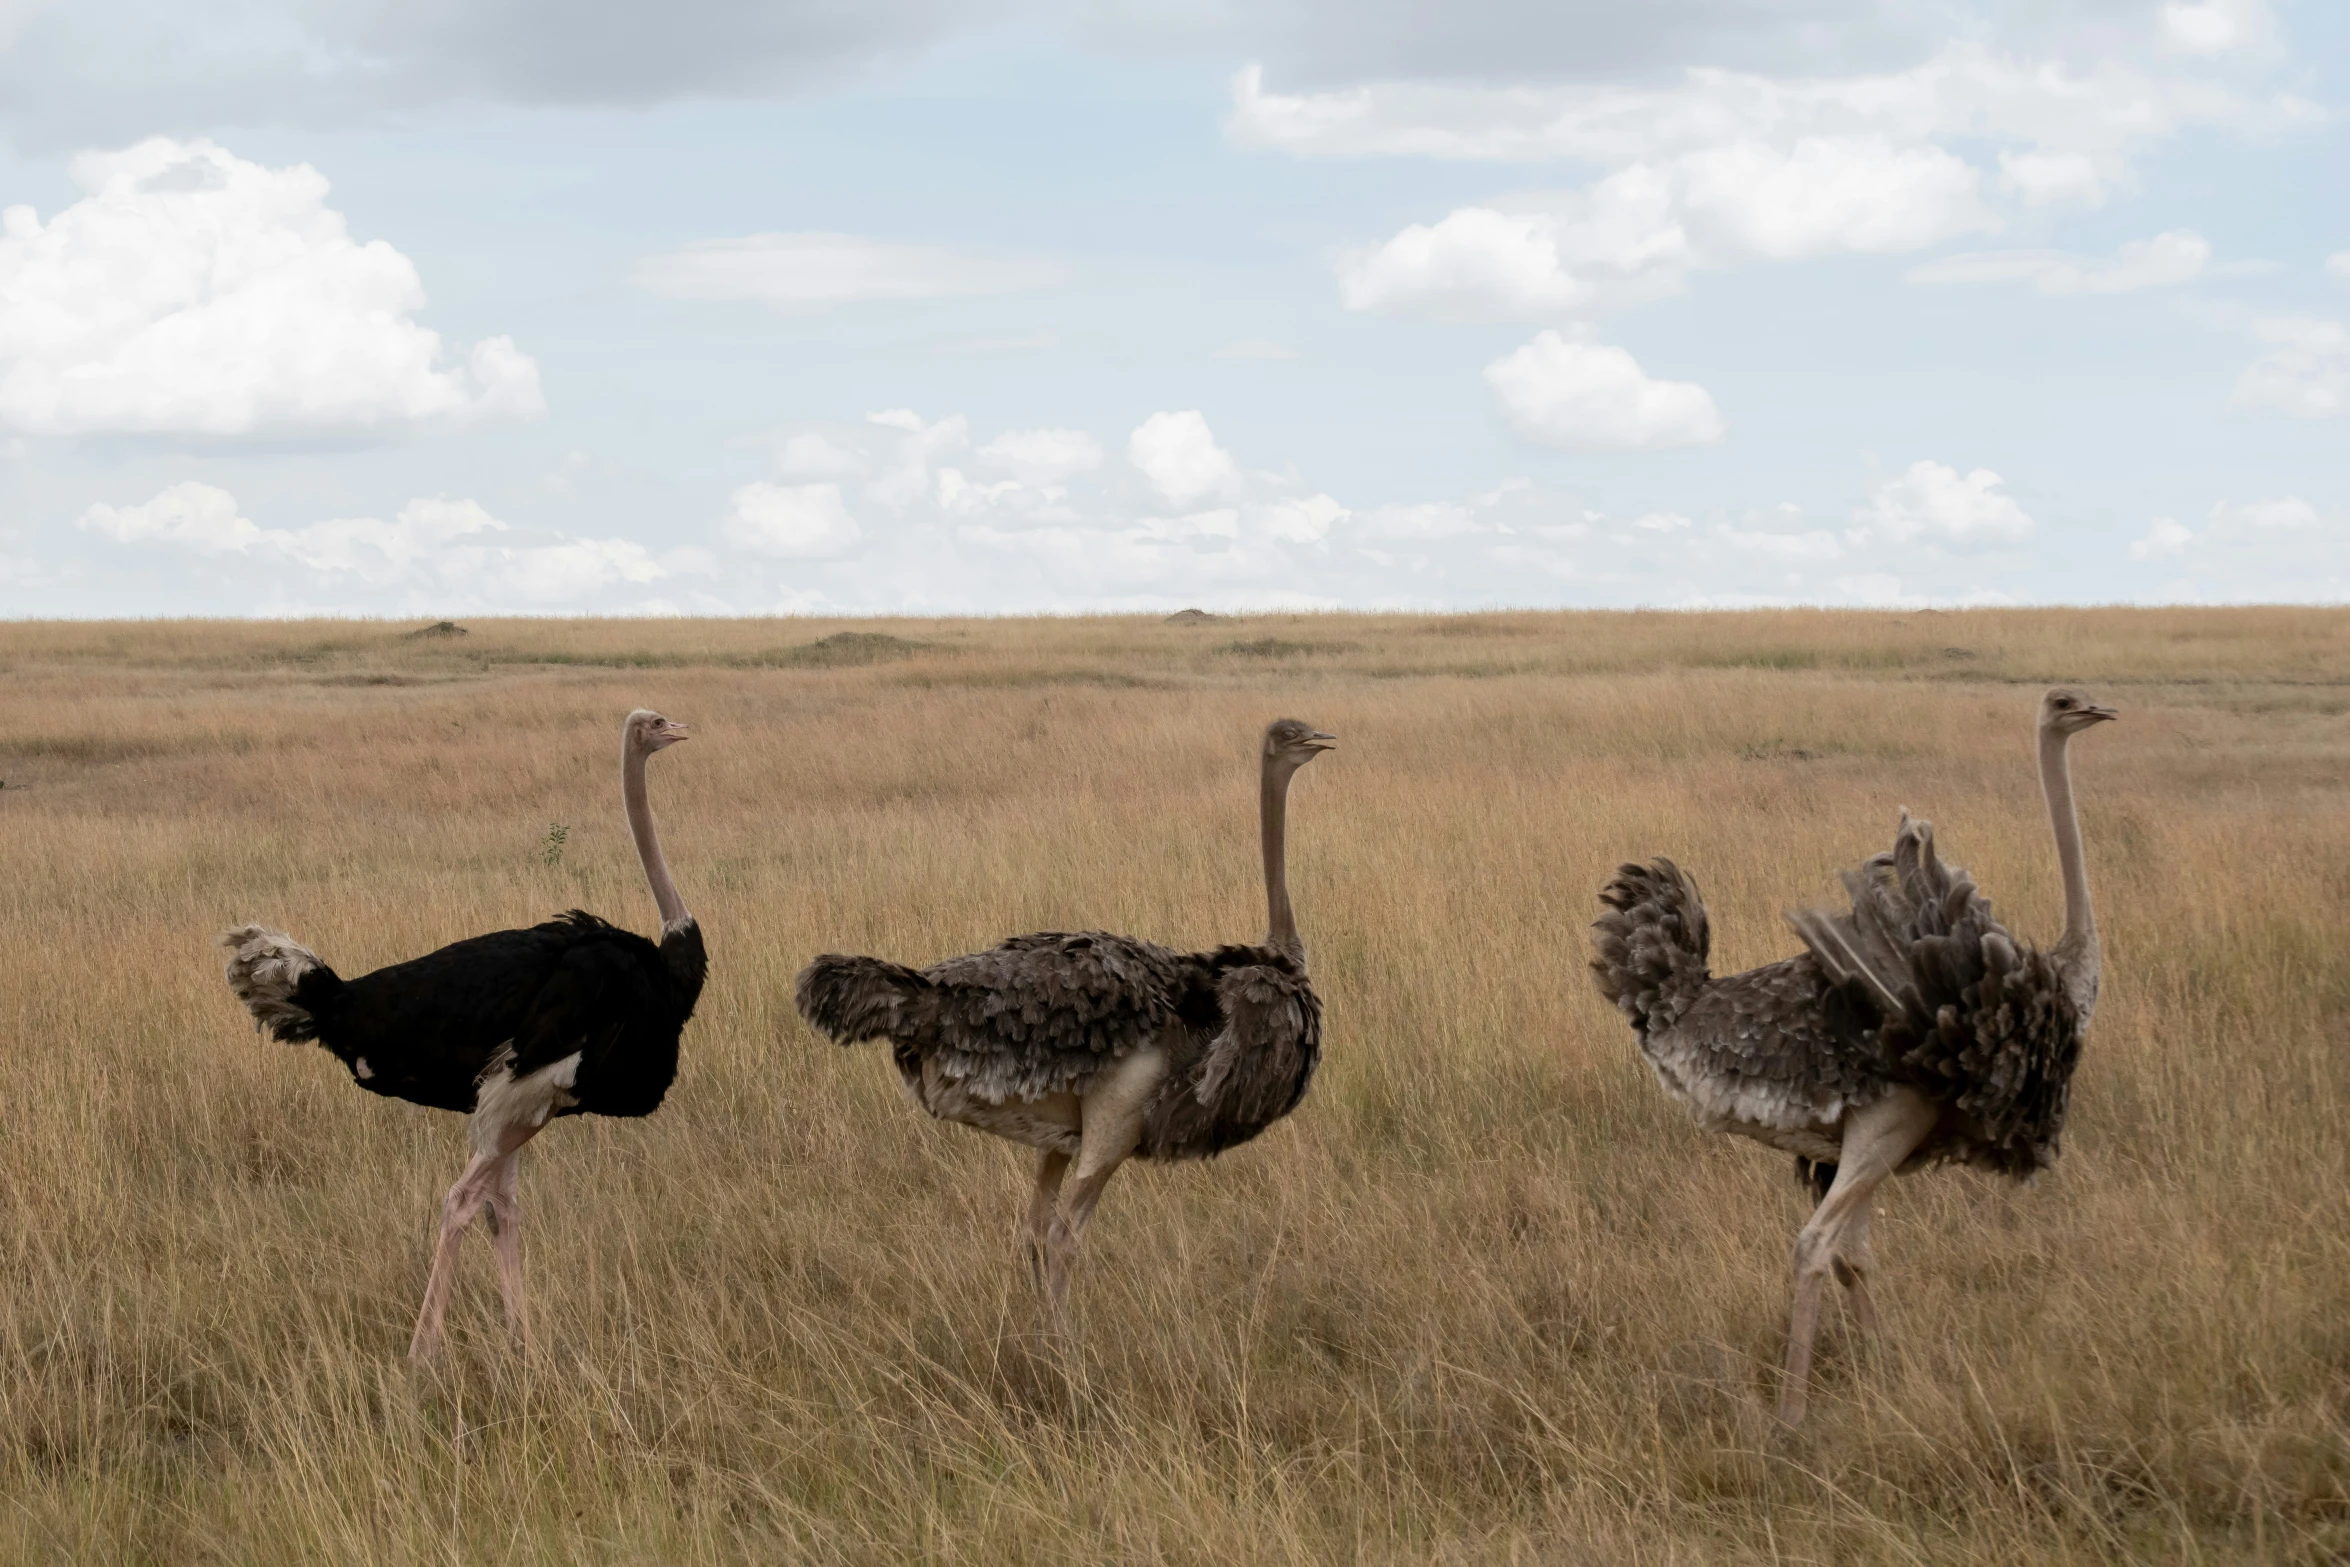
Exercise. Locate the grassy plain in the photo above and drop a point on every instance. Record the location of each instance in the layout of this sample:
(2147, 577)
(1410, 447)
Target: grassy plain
(1487, 1297)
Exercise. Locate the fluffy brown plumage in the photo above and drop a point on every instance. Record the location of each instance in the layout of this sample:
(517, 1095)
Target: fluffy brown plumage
(1777, 1053)
(1974, 1019)
(1917, 984)
(1040, 1014)
(1098, 1048)
(1914, 1030)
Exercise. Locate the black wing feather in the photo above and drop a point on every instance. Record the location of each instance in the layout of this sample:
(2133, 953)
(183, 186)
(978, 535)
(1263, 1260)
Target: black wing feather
(582, 1005)
(427, 1029)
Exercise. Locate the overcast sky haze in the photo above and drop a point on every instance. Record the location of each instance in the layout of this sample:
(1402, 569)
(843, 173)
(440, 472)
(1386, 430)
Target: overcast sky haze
(909, 306)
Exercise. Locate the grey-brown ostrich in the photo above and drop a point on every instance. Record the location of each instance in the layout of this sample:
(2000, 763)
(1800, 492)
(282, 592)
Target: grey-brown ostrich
(1914, 1031)
(1095, 1048)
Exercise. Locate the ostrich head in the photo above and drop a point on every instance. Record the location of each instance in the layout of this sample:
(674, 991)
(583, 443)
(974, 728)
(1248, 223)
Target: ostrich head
(648, 732)
(1290, 744)
(2066, 711)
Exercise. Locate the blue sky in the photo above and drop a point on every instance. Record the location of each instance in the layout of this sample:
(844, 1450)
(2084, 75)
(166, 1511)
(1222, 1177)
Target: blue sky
(909, 308)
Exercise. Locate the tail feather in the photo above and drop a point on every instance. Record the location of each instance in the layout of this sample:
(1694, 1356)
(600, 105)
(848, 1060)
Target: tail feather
(281, 982)
(1963, 1009)
(1902, 901)
(1649, 950)
(852, 998)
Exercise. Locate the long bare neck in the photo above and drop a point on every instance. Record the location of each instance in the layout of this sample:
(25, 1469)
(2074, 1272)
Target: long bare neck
(648, 841)
(1273, 809)
(2077, 950)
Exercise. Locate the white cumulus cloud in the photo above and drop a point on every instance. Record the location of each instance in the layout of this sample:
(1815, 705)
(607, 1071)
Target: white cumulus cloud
(2271, 519)
(815, 455)
(1639, 231)
(2282, 549)
(905, 472)
(1303, 520)
(2177, 256)
(380, 550)
(1473, 263)
(2216, 27)
(1807, 544)
(1826, 195)
(1035, 518)
(1936, 502)
(566, 573)
(1585, 396)
(2164, 537)
(2305, 373)
(1178, 453)
(193, 293)
(1876, 590)
(435, 550)
(1043, 457)
(199, 516)
(1722, 168)
(2104, 113)
(795, 521)
(811, 270)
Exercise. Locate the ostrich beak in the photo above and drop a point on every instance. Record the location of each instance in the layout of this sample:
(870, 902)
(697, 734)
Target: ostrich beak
(1322, 742)
(2100, 714)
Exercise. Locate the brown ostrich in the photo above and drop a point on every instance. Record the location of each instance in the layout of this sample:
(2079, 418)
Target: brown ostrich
(1914, 1031)
(1093, 1048)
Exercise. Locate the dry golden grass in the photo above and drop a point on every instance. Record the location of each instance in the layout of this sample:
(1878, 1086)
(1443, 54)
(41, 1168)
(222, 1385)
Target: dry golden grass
(1488, 1297)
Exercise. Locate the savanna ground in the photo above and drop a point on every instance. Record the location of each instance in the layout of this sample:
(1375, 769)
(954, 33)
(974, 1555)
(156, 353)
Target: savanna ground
(1487, 1297)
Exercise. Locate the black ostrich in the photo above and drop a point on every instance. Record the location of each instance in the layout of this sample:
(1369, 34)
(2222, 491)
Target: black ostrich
(572, 1017)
